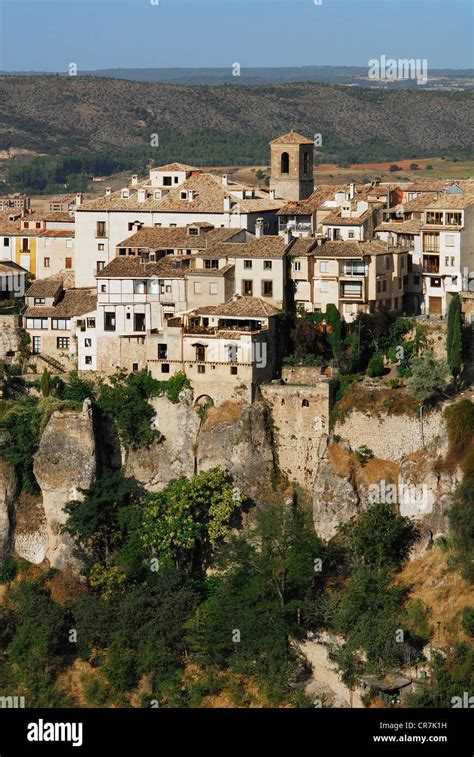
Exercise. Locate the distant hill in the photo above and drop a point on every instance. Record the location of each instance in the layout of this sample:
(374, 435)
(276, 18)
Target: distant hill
(348, 75)
(74, 115)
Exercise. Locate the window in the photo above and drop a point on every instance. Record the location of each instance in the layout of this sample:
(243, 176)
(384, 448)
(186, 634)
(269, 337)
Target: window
(88, 342)
(197, 287)
(324, 266)
(201, 369)
(38, 225)
(247, 264)
(36, 345)
(88, 360)
(452, 261)
(435, 283)
(109, 321)
(324, 286)
(213, 288)
(233, 370)
(68, 262)
(139, 322)
(247, 288)
(387, 263)
(267, 288)
(285, 163)
(139, 287)
(446, 261)
(305, 403)
(46, 262)
(162, 351)
(62, 343)
(232, 353)
(350, 234)
(39, 300)
(103, 287)
(306, 164)
(167, 181)
(60, 324)
(101, 247)
(135, 367)
(267, 264)
(184, 195)
(36, 323)
(296, 265)
(6, 242)
(100, 230)
(175, 179)
(193, 231)
(200, 353)
(416, 280)
(211, 264)
(165, 368)
(91, 323)
(384, 285)
(449, 240)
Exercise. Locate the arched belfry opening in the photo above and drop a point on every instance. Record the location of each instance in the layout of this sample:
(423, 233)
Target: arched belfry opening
(285, 163)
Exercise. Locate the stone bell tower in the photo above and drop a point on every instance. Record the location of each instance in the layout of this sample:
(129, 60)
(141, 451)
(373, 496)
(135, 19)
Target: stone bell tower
(292, 160)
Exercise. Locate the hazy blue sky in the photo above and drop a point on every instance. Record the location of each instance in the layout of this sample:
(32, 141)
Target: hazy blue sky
(50, 34)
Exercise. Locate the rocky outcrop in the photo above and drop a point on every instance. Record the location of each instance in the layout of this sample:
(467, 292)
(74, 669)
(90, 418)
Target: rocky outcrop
(9, 336)
(64, 464)
(8, 491)
(238, 438)
(174, 455)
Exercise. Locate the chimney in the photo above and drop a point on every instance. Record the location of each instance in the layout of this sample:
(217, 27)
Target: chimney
(141, 195)
(227, 204)
(287, 236)
(352, 190)
(108, 191)
(259, 228)
(225, 180)
(190, 195)
(134, 180)
(272, 194)
(78, 199)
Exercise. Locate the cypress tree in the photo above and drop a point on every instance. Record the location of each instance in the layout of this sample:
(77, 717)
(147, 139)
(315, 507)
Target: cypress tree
(454, 336)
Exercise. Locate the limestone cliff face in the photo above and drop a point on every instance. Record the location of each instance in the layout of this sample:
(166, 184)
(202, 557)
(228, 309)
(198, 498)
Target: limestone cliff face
(8, 491)
(158, 464)
(238, 438)
(65, 462)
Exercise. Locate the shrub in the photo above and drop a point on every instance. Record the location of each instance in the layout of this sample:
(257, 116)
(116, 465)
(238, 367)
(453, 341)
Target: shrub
(376, 366)
(467, 620)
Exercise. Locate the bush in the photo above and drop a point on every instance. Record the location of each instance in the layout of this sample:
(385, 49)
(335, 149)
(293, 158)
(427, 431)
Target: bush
(467, 620)
(8, 570)
(376, 366)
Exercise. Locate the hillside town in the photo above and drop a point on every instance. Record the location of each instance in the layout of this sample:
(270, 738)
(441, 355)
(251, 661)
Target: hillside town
(188, 271)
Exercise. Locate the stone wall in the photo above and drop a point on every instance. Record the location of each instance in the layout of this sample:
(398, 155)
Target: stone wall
(300, 425)
(392, 437)
(9, 336)
(301, 374)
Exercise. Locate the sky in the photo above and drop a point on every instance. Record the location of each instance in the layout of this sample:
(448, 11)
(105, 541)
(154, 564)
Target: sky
(48, 35)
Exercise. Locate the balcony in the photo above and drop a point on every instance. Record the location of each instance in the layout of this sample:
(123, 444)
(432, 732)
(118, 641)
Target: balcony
(431, 264)
(351, 292)
(292, 226)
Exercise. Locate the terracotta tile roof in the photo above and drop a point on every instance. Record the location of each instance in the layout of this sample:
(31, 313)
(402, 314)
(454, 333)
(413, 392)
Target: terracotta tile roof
(124, 267)
(292, 138)
(340, 249)
(209, 195)
(296, 209)
(240, 307)
(401, 227)
(210, 271)
(75, 302)
(45, 288)
(438, 184)
(175, 167)
(266, 247)
(8, 266)
(158, 238)
(335, 219)
(452, 202)
(302, 246)
(418, 203)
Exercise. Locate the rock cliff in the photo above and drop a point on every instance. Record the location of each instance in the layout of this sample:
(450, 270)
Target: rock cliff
(8, 492)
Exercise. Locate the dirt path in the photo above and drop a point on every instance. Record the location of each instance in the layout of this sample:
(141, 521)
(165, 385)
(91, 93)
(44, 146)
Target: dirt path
(326, 680)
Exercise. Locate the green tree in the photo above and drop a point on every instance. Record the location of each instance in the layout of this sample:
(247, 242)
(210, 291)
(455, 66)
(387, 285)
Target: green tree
(378, 538)
(106, 519)
(461, 521)
(454, 335)
(45, 383)
(428, 378)
(188, 518)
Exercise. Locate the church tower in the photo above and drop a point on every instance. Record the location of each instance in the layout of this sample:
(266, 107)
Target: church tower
(292, 158)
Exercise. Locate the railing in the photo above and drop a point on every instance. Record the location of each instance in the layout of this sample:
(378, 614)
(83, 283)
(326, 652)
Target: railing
(295, 226)
(430, 267)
